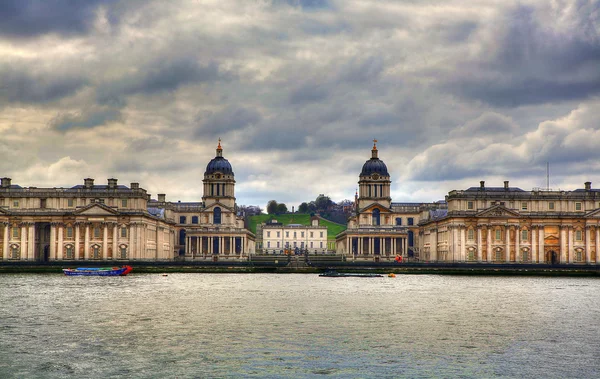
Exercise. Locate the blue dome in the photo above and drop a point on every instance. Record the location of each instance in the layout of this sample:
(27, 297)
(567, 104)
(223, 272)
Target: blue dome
(219, 164)
(374, 166)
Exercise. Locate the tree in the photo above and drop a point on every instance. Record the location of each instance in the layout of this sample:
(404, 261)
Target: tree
(303, 208)
(323, 202)
(281, 208)
(272, 207)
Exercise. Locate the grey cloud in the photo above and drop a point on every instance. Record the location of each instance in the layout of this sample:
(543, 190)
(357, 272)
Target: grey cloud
(28, 18)
(488, 124)
(158, 76)
(528, 61)
(27, 84)
(308, 93)
(226, 120)
(87, 119)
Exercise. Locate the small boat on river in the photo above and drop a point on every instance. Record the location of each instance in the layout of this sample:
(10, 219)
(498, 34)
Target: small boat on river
(335, 274)
(98, 271)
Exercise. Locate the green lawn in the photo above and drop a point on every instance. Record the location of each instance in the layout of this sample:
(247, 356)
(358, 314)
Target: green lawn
(332, 228)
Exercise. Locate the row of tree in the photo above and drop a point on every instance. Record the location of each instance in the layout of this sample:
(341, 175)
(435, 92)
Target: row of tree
(275, 208)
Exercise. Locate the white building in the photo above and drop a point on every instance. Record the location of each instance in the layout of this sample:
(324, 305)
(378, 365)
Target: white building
(296, 237)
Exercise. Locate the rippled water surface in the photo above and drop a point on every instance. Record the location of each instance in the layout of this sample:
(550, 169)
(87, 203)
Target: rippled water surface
(244, 325)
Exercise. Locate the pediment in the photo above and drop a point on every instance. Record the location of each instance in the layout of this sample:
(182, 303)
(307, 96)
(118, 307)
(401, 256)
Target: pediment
(96, 209)
(551, 239)
(593, 214)
(212, 207)
(498, 211)
(371, 207)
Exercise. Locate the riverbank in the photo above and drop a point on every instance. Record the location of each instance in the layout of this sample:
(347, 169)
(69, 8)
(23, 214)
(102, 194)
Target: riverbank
(251, 267)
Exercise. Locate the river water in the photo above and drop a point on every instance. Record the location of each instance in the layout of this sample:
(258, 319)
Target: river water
(298, 325)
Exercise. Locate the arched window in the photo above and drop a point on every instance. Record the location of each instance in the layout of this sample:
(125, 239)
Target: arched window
(194, 219)
(70, 250)
(398, 221)
(14, 252)
(123, 252)
(182, 219)
(217, 215)
(376, 217)
(96, 252)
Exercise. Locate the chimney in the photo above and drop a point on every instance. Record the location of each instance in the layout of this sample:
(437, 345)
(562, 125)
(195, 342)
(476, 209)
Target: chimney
(5, 183)
(506, 185)
(112, 183)
(88, 182)
(149, 197)
(135, 186)
(162, 197)
(588, 186)
(482, 184)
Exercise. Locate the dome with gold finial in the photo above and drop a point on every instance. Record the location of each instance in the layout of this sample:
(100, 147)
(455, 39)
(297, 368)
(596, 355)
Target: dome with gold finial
(374, 165)
(219, 164)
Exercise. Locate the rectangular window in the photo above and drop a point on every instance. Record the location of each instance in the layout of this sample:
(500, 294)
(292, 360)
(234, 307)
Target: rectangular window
(123, 203)
(70, 203)
(410, 221)
(498, 234)
(311, 244)
(96, 232)
(321, 234)
(469, 205)
(277, 243)
(278, 235)
(311, 235)
(123, 232)
(42, 203)
(15, 204)
(523, 206)
(15, 232)
(287, 234)
(69, 232)
(302, 234)
(471, 235)
(268, 243)
(578, 235)
(524, 235)
(577, 206)
(551, 206)
(269, 234)
(321, 244)
(294, 234)
(182, 219)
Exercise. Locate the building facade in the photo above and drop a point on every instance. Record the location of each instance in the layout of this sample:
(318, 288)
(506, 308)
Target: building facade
(381, 229)
(84, 222)
(116, 222)
(295, 237)
(509, 225)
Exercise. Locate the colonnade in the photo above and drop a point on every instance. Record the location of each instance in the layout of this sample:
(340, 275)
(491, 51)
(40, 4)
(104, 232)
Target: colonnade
(397, 245)
(194, 245)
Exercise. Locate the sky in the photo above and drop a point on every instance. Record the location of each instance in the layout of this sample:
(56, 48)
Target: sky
(454, 91)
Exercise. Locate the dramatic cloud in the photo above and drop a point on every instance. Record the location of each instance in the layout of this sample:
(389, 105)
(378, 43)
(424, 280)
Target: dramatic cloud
(297, 90)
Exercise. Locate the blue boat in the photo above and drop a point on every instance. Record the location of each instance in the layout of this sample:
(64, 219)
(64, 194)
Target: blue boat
(98, 271)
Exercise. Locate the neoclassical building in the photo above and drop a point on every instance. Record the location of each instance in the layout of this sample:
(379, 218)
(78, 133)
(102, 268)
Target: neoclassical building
(509, 225)
(115, 222)
(278, 237)
(84, 222)
(380, 229)
(211, 229)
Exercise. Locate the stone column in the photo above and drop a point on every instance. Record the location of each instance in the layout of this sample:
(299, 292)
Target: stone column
(588, 242)
(5, 253)
(534, 251)
(570, 246)
(86, 241)
(507, 259)
(479, 243)
(130, 250)
(210, 245)
(52, 241)
(115, 241)
(359, 247)
(60, 242)
(518, 237)
(597, 244)
(541, 251)
(31, 244)
(105, 242)
(76, 226)
(563, 244)
(24, 249)
(463, 242)
(489, 243)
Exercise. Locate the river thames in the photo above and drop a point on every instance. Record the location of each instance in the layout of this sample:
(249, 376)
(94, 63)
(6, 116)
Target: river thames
(298, 325)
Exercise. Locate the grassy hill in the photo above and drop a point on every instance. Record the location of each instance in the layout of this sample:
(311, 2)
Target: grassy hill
(294, 218)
